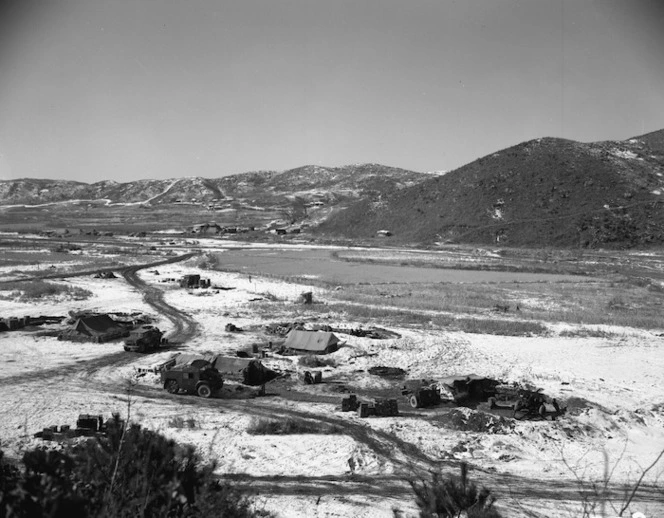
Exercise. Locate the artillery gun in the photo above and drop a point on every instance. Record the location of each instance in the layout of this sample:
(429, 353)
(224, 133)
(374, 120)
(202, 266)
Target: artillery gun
(525, 403)
(421, 394)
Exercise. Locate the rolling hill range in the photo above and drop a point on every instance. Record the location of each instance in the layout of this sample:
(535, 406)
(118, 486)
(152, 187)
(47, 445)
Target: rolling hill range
(308, 182)
(544, 192)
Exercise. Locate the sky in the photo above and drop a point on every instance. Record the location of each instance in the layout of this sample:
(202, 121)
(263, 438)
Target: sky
(123, 90)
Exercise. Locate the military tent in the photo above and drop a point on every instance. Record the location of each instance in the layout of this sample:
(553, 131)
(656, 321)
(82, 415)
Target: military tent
(312, 342)
(96, 328)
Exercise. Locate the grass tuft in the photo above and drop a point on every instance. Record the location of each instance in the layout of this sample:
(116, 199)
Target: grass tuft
(180, 422)
(291, 426)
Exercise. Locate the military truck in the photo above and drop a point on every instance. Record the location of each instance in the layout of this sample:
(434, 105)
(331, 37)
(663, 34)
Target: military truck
(194, 377)
(144, 339)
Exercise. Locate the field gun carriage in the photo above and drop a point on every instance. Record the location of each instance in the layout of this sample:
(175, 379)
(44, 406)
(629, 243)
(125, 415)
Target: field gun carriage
(524, 403)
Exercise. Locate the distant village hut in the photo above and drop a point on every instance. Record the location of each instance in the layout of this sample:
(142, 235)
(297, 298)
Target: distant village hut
(190, 280)
(311, 342)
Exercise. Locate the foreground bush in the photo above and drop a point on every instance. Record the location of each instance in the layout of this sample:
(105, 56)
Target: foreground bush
(130, 473)
(449, 497)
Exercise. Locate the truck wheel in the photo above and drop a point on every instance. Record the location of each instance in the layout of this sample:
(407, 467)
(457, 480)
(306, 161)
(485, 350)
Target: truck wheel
(413, 401)
(172, 386)
(204, 390)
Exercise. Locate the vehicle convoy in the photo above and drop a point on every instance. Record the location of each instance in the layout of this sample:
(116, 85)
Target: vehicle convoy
(144, 339)
(195, 377)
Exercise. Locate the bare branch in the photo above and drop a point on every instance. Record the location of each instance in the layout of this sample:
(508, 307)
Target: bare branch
(638, 483)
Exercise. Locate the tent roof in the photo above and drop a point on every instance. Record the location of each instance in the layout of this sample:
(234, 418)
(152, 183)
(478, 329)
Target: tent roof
(314, 341)
(231, 364)
(182, 358)
(96, 324)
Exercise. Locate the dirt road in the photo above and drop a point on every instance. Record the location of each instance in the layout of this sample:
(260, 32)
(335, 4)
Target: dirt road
(186, 327)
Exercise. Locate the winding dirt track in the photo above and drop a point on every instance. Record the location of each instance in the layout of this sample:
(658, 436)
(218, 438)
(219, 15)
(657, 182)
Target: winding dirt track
(186, 327)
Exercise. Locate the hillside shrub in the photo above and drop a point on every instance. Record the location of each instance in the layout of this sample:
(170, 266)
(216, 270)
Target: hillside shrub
(586, 332)
(207, 261)
(451, 497)
(131, 472)
(34, 290)
(64, 248)
(269, 296)
(499, 327)
(469, 420)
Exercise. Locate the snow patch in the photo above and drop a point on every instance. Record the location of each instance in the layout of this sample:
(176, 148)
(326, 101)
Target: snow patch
(623, 153)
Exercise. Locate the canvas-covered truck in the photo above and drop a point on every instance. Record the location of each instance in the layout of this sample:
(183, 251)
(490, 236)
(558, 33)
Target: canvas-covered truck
(144, 339)
(194, 377)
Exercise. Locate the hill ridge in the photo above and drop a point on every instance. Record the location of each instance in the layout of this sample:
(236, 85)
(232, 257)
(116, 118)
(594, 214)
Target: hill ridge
(546, 191)
(354, 181)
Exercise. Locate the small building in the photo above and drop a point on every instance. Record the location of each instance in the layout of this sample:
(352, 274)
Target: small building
(190, 280)
(311, 342)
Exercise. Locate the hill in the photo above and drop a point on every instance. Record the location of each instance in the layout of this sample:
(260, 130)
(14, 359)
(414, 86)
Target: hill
(544, 192)
(308, 182)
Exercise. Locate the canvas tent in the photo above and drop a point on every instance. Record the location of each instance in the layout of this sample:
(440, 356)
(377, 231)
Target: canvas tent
(312, 342)
(95, 328)
(247, 370)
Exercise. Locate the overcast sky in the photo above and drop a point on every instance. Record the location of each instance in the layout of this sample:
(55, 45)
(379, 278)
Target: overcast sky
(129, 89)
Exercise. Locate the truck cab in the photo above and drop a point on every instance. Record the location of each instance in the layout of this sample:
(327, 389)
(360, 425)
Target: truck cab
(143, 339)
(195, 377)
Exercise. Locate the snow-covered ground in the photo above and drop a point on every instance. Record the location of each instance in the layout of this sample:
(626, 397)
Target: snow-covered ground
(615, 418)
